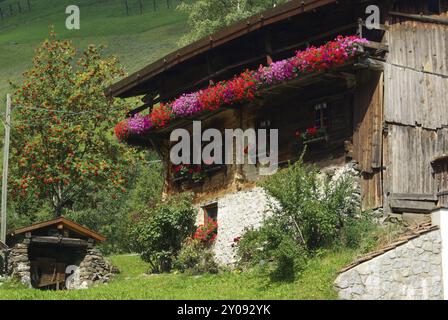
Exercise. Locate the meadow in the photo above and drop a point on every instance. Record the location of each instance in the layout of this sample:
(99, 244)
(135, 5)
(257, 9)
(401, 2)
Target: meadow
(136, 39)
(134, 283)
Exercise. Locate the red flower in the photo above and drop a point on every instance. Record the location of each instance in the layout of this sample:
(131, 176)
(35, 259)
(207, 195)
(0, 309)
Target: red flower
(121, 130)
(311, 131)
(207, 232)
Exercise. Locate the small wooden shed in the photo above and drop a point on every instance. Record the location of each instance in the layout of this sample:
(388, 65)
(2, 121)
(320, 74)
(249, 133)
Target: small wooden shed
(44, 254)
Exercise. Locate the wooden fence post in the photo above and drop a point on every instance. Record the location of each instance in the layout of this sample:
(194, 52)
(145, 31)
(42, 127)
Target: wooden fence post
(10, 10)
(154, 3)
(19, 6)
(141, 6)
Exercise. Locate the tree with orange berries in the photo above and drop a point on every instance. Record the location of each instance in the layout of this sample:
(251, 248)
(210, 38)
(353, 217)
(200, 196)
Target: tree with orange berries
(63, 149)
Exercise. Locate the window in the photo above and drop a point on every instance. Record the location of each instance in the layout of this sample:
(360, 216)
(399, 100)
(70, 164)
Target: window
(321, 112)
(211, 211)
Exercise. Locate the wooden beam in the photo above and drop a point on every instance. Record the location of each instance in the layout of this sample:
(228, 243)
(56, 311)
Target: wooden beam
(58, 240)
(419, 17)
(413, 196)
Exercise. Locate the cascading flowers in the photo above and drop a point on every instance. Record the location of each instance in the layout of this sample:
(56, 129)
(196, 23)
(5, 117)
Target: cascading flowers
(244, 87)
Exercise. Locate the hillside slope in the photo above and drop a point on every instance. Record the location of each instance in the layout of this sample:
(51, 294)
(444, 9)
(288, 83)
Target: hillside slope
(137, 39)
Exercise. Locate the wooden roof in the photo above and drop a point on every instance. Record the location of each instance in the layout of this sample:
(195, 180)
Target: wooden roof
(135, 84)
(66, 223)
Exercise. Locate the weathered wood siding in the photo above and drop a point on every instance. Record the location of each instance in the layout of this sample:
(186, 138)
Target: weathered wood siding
(416, 78)
(415, 107)
(367, 135)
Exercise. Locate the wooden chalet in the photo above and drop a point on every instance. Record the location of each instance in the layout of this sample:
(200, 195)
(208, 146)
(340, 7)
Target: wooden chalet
(48, 248)
(386, 109)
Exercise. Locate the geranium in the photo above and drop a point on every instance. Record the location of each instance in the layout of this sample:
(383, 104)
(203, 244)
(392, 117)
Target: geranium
(121, 130)
(160, 115)
(244, 87)
(207, 232)
(214, 96)
(193, 172)
(311, 131)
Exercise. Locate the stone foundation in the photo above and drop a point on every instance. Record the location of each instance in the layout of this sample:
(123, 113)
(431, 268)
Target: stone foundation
(410, 271)
(2, 262)
(18, 262)
(93, 269)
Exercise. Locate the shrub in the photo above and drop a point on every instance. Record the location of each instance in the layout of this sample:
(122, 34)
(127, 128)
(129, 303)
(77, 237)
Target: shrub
(159, 232)
(196, 257)
(310, 212)
(315, 206)
(274, 248)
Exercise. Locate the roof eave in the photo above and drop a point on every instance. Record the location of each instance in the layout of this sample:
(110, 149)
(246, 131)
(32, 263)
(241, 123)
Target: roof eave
(123, 87)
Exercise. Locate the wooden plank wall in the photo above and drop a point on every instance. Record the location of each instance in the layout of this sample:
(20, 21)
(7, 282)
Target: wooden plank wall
(415, 106)
(418, 66)
(367, 135)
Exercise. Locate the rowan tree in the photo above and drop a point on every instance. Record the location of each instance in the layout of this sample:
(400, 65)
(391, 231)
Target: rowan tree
(63, 149)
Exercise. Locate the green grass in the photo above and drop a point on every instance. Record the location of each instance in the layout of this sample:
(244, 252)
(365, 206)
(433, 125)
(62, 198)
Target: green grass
(133, 283)
(136, 39)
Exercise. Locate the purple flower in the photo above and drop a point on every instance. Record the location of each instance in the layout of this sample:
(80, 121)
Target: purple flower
(139, 124)
(186, 105)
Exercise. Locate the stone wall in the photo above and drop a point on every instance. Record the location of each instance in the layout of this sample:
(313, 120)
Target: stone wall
(236, 212)
(93, 269)
(18, 262)
(2, 262)
(410, 271)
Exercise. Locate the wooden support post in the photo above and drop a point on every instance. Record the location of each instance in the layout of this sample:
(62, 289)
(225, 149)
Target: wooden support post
(5, 169)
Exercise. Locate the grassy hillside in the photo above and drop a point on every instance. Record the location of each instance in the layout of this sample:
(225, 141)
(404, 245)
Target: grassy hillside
(136, 39)
(316, 282)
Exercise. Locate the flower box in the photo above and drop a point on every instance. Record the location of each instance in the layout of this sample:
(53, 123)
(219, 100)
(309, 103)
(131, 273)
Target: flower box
(312, 135)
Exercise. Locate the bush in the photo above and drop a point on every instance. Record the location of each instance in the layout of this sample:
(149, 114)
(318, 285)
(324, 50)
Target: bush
(273, 248)
(159, 232)
(195, 257)
(315, 206)
(310, 212)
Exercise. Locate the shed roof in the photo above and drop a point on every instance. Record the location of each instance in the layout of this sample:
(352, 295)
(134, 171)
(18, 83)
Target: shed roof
(71, 225)
(132, 85)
